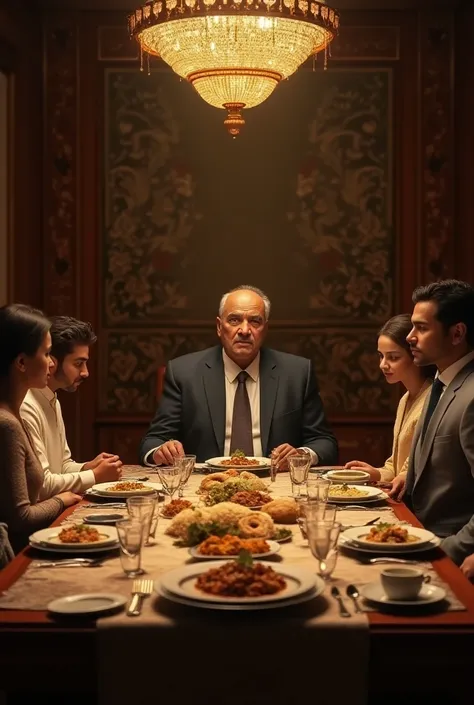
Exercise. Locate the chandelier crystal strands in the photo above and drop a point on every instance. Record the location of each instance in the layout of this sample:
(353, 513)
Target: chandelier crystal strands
(234, 52)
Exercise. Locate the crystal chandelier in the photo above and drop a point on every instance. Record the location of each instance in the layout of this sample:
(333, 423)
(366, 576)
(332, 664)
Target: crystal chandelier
(234, 52)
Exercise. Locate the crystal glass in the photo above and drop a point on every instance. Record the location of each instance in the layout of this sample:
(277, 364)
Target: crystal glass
(171, 478)
(322, 540)
(318, 488)
(142, 509)
(130, 535)
(310, 509)
(299, 467)
(186, 463)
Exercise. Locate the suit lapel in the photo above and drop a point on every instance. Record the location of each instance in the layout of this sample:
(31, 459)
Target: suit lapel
(269, 379)
(441, 409)
(214, 389)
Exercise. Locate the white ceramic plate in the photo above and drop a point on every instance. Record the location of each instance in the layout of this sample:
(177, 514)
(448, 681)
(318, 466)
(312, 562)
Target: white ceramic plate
(77, 548)
(49, 537)
(310, 595)
(181, 582)
(371, 494)
(357, 535)
(355, 477)
(428, 595)
(274, 548)
(263, 464)
(380, 548)
(104, 489)
(87, 603)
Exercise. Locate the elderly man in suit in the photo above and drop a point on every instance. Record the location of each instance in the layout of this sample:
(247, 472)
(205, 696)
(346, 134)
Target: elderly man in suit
(440, 478)
(239, 395)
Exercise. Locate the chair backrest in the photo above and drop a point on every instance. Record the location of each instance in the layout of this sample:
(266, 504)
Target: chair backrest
(160, 378)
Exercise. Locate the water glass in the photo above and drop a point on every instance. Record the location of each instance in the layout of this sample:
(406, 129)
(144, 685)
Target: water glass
(130, 535)
(186, 463)
(299, 467)
(171, 478)
(318, 488)
(142, 509)
(322, 540)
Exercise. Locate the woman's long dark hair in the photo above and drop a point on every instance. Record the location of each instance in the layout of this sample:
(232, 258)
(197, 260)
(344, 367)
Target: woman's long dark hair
(397, 329)
(22, 330)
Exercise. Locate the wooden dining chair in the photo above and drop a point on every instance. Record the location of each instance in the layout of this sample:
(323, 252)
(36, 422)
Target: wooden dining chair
(160, 378)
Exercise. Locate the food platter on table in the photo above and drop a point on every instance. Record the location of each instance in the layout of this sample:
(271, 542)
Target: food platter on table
(106, 538)
(124, 488)
(180, 585)
(274, 548)
(250, 463)
(410, 537)
(380, 548)
(355, 494)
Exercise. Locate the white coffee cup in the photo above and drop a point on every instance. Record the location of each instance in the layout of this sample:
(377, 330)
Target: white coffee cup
(402, 583)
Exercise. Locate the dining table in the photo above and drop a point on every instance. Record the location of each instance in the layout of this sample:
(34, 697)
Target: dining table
(412, 656)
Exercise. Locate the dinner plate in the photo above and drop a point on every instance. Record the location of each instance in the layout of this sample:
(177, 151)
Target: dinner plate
(104, 489)
(263, 464)
(380, 548)
(355, 477)
(49, 537)
(181, 582)
(233, 606)
(87, 603)
(371, 494)
(274, 548)
(427, 595)
(74, 548)
(111, 519)
(357, 535)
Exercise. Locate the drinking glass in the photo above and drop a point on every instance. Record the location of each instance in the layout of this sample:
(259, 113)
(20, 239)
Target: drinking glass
(142, 509)
(130, 534)
(186, 463)
(170, 477)
(322, 540)
(299, 467)
(310, 509)
(318, 488)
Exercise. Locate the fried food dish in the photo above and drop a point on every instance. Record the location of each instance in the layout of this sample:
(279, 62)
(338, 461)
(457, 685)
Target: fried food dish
(390, 533)
(239, 458)
(79, 533)
(175, 507)
(282, 511)
(230, 545)
(127, 487)
(256, 525)
(250, 499)
(236, 580)
(345, 491)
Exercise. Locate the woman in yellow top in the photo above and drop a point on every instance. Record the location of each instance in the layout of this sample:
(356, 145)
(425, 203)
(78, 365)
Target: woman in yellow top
(396, 363)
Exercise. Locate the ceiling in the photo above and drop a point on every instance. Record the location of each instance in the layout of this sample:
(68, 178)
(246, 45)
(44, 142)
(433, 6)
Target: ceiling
(339, 4)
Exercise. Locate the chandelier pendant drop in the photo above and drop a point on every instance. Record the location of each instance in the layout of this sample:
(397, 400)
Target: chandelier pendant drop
(234, 52)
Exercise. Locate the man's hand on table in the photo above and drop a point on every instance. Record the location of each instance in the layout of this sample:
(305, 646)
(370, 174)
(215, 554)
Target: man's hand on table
(281, 454)
(467, 567)
(166, 453)
(398, 487)
(108, 469)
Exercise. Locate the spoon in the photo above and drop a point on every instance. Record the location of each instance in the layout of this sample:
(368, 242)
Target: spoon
(353, 593)
(343, 612)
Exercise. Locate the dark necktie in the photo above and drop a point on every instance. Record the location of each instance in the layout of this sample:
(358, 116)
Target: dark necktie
(241, 432)
(435, 395)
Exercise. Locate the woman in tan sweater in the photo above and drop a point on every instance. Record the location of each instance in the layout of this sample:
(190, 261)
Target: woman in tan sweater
(24, 364)
(396, 363)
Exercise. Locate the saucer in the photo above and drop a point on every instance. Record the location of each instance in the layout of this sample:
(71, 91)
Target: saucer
(87, 603)
(428, 595)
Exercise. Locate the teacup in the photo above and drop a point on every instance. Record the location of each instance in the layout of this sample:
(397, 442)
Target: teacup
(402, 583)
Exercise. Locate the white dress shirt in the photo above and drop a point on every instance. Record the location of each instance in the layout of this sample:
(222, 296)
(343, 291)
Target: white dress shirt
(447, 376)
(41, 414)
(252, 383)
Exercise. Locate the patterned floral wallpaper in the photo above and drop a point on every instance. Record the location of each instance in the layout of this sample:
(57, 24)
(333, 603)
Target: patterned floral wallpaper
(189, 213)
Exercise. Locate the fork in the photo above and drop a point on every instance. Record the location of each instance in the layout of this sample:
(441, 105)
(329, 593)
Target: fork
(140, 589)
(68, 563)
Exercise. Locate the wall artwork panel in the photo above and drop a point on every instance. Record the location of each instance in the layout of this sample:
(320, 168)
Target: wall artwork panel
(300, 204)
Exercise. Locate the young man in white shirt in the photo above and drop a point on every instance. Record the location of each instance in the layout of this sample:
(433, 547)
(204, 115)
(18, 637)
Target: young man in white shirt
(41, 414)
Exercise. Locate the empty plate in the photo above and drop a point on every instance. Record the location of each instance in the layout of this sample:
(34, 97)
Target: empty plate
(427, 596)
(87, 603)
(103, 518)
